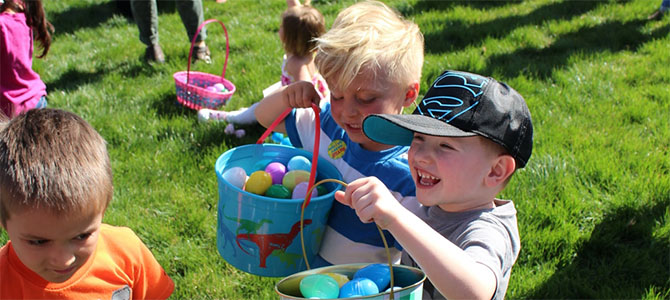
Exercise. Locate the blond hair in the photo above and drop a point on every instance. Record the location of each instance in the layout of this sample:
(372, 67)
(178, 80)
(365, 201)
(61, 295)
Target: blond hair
(370, 35)
(301, 25)
(52, 159)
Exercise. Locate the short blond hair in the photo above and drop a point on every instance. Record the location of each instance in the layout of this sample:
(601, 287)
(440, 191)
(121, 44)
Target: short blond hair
(52, 160)
(370, 35)
(302, 24)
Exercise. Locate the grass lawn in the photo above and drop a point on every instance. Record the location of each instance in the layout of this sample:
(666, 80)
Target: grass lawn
(593, 203)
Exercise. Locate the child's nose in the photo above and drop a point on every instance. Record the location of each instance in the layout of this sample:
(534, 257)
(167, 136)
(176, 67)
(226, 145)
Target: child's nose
(62, 257)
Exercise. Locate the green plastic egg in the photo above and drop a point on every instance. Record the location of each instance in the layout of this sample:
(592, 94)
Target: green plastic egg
(278, 191)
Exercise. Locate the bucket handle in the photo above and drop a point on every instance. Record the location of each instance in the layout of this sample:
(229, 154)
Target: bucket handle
(315, 152)
(302, 240)
(190, 52)
(312, 185)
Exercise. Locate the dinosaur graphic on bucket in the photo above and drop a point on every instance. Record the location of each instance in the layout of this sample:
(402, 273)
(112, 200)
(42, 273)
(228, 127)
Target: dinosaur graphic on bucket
(267, 243)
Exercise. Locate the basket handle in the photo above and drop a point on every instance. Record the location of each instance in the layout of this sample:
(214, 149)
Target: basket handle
(190, 52)
(315, 152)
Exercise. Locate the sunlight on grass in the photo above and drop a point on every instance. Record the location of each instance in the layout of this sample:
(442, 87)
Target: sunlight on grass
(593, 204)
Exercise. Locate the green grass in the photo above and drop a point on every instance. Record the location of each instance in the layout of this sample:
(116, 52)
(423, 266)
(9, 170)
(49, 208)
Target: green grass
(593, 202)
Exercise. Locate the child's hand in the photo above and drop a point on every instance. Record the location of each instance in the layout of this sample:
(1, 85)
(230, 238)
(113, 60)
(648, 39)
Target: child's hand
(371, 200)
(300, 94)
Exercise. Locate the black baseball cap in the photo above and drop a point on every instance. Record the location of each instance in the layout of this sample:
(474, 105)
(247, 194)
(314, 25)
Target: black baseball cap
(460, 104)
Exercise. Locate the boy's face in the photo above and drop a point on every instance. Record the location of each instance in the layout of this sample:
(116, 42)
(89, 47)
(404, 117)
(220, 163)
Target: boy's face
(52, 246)
(450, 172)
(364, 96)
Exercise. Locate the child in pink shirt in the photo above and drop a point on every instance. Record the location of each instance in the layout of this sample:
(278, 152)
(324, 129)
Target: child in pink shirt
(21, 88)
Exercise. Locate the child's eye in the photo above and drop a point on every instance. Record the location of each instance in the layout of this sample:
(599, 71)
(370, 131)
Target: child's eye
(37, 242)
(333, 98)
(446, 146)
(82, 237)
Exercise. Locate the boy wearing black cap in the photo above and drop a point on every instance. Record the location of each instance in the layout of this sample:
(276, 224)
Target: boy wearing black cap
(467, 137)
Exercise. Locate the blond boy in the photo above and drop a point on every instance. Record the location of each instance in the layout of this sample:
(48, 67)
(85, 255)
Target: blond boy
(55, 184)
(467, 137)
(371, 59)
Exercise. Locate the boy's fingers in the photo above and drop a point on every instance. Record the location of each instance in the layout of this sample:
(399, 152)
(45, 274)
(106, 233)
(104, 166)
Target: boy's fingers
(339, 196)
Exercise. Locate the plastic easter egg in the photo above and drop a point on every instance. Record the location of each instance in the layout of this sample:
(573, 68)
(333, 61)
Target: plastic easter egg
(220, 87)
(235, 176)
(340, 278)
(212, 88)
(276, 171)
(379, 273)
(292, 178)
(321, 189)
(358, 287)
(259, 182)
(319, 286)
(300, 191)
(286, 141)
(299, 162)
(278, 191)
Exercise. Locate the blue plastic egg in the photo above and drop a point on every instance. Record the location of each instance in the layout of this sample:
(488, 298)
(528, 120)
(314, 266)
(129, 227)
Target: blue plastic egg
(358, 287)
(379, 273)
(235, 176)
(299, 162)
(319, 286)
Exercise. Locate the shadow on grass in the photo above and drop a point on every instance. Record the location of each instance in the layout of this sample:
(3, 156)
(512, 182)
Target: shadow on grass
(75, 18)
(587, 41)
(91, 16)
(458, 35)
(73, 78)
(622, 259)
(167, 106)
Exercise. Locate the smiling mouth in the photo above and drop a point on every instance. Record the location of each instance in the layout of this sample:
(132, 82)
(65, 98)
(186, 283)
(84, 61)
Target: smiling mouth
(426, 179)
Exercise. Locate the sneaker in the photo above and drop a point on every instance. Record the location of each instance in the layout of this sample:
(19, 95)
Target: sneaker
(205, 115)
(656, 15)
(202, 53)
(154, 53)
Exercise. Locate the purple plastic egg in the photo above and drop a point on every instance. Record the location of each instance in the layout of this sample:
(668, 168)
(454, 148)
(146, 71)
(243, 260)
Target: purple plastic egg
(277, 170)
(300, 191)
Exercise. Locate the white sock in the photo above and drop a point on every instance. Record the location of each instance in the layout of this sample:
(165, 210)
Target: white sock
(242, 116)
(206, 115)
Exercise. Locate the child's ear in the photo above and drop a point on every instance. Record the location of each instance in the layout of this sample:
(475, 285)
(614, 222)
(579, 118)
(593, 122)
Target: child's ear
(503, 167)
(411, 94)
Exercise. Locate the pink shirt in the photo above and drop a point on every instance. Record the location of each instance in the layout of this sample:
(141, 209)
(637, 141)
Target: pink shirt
(20, 87)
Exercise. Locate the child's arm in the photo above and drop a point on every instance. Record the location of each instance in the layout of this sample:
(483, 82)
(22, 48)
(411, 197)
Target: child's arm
(300, 94)
(298, 67)
(453, 272)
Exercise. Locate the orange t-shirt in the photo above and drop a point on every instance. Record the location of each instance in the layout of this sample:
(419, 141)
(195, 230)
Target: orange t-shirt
(121, 267)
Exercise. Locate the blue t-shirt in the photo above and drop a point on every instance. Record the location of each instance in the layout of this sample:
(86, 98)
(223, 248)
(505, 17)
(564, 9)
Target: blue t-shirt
(346, 238)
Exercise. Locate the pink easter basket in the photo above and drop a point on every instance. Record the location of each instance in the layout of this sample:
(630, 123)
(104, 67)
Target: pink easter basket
(192, 86)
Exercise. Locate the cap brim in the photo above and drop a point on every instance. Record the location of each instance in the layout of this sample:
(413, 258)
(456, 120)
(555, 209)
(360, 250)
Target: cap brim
(399, 129)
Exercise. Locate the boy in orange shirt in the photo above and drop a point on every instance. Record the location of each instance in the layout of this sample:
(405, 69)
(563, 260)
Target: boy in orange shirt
(55, 185)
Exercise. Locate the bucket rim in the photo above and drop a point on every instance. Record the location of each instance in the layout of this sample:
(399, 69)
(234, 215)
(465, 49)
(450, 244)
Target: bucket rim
(321, 271)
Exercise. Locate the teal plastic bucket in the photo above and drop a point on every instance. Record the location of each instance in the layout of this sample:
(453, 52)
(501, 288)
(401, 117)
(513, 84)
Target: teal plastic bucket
(408, 279)
(261, 235)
